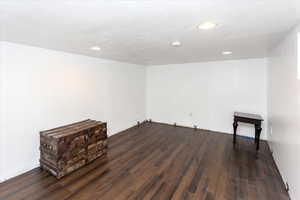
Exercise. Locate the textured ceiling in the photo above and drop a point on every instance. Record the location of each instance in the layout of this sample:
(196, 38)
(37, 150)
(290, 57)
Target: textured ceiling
(141, 31)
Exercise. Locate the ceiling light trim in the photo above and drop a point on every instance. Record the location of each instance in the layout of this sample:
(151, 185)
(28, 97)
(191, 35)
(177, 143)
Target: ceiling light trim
(227, 52)
(208, 25)
(96, 48)
(176, 44)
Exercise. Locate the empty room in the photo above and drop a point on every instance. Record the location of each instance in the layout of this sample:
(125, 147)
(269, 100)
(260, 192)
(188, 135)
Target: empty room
(149, 100)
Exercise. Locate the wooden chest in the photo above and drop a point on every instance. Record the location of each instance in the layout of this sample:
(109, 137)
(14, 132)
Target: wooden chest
(67, 148)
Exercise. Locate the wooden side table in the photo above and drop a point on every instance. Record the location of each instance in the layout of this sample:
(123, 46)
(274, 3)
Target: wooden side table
(251, 119)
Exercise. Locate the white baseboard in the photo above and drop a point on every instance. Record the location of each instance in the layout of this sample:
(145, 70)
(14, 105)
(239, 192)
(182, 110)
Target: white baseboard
(18, 172)
(25, 168)
(2, 179)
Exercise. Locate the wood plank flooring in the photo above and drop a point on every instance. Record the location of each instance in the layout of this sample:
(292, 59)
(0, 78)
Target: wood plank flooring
(156, 161)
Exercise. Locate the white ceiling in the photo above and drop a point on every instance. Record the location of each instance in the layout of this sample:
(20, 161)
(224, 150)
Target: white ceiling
(140, 31)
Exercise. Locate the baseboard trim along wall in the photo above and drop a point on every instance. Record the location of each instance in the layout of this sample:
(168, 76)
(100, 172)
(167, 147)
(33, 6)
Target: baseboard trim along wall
(19, 172)
(202, 129)
(284, 180)
(37, 165)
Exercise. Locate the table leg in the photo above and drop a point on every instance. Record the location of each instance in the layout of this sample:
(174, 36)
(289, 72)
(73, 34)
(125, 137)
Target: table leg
(255, 139)
(257, 135)
(235, 125)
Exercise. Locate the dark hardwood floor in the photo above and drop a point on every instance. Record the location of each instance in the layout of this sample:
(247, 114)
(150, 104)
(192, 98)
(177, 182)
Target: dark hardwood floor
(155, 161)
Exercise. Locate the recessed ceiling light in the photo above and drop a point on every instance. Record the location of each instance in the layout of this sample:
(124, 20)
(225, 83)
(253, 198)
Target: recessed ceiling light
(207, 25)
(227, 52)
(95, 48)
(176, 44)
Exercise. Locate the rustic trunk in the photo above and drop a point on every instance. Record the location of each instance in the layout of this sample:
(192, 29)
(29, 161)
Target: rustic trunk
(67, 148)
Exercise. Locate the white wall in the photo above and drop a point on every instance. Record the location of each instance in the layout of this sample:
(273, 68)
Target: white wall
(45, 89)
(207, 94)
(1, 112)
(284, 110)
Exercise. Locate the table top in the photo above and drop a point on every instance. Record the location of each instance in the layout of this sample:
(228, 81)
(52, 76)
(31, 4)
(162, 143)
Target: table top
(248, 116)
